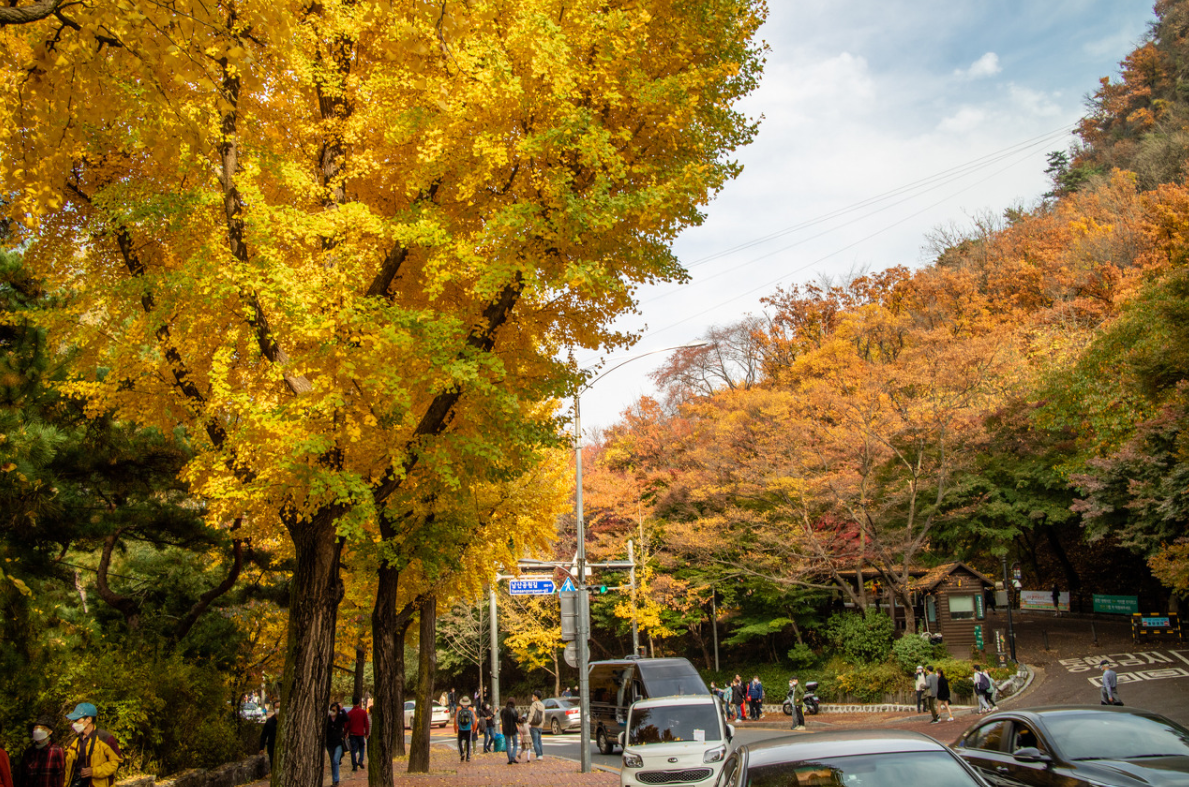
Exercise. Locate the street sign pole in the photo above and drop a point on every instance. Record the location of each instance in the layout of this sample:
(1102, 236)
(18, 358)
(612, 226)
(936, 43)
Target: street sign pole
(583, 606)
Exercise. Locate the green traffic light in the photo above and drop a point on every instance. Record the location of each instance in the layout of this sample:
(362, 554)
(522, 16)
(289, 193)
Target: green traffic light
(602, 588)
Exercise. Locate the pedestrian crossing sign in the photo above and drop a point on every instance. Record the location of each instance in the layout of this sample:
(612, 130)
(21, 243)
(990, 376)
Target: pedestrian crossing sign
(568, 587)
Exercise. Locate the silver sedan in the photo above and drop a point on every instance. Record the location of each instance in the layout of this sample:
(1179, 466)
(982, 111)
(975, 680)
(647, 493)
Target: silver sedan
(562, 715)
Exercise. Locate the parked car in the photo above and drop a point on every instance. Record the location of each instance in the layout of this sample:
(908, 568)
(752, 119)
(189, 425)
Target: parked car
(615, 685)
(1078, 746)
(674, 740)
(252, 712)
(858, 758)
(562, 714)
(439, 715)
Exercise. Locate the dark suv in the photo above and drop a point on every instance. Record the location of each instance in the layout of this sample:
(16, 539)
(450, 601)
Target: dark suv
(615, 685)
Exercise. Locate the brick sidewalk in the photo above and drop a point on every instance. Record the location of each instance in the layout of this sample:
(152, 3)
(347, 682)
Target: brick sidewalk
(483, 770)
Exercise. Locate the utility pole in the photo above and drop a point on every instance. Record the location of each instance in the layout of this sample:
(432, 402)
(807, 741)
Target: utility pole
(583, 604)
(635, 629)
(495, 650)
(714, 619)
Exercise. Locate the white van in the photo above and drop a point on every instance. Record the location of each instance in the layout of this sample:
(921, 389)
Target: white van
(675, 740)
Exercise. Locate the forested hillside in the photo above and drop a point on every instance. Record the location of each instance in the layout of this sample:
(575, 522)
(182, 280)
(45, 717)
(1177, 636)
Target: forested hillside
(1025, 392)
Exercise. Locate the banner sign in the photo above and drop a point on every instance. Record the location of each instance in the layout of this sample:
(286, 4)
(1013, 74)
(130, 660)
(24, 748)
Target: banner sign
(1116, 605)
(531, 586)
(1042, 600)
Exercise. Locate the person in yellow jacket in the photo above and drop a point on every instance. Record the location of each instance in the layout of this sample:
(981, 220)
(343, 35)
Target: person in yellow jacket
(93, 757)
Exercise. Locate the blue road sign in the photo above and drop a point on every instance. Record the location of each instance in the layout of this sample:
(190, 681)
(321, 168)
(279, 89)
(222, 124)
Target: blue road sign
(531, 586)
(568, 587)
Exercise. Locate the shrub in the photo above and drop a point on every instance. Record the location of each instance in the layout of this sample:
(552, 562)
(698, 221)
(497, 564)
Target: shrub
(870, 682)
(864, 639)
(802, 656)
(910, 650)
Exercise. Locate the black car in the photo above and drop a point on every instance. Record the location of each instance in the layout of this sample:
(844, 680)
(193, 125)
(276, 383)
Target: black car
(1076, 746)
(870, 758)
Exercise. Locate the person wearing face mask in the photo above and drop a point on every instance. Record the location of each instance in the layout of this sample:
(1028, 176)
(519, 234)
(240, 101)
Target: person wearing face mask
(44, 763)
(336, 724)
(93, 757)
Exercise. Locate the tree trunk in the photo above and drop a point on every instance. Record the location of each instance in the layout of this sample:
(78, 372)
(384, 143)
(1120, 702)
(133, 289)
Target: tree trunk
(556, 674)
(360, 665)
(388, 671)
(305, 687)
(427, 665)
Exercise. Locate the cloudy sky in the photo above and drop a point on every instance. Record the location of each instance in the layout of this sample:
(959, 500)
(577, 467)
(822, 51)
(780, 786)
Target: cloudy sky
(881, 122)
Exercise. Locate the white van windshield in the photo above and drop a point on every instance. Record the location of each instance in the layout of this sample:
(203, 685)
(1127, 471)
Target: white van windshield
(673, 724)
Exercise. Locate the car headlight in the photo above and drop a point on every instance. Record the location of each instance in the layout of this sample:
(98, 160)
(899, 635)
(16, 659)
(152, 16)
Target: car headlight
(631, 760)
(715, 755)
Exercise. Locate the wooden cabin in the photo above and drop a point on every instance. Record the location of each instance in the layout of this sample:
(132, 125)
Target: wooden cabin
(953, 597)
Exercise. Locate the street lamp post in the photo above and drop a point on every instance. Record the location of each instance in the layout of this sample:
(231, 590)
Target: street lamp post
(580, 558)
(1011, 632)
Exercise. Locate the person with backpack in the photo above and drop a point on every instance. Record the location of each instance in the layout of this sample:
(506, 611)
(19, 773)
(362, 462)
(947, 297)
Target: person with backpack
(93, 757)
(464, 727)
(536, 718)
(982, 689)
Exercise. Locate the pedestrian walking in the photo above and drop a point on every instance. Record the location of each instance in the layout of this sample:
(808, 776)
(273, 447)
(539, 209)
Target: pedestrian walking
(920, 686)
(1056, 599)
(452, 701)
(508, 724)
(931, 693)
(978, 681)
(487, 719)
(268, 734)
(1110, 684)
(359, 728)
(44, 763)
(93, 757)
(536, 718)
(755, 696)
(336, 726)
(943, 692)
(464, 728)
(796, 697)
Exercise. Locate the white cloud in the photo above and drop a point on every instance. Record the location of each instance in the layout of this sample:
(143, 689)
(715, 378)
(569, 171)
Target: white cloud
(965, 119)
(985, 66)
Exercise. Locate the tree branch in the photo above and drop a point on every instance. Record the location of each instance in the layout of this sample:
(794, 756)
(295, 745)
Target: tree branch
(25, 14)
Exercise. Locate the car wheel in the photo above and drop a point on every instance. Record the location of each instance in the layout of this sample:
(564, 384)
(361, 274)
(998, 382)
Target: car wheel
(604, 743)
(555, 727)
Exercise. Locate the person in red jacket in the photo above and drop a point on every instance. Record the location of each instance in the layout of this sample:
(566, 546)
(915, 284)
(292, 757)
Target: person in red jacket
(359, 727)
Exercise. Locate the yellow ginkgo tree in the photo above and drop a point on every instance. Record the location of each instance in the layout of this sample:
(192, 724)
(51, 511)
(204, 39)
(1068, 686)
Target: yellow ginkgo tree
(339, 245)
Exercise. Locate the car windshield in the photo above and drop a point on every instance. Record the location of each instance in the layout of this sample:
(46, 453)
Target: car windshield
(1115, 736)
(918, 768)
(674, 681)
(673, 724)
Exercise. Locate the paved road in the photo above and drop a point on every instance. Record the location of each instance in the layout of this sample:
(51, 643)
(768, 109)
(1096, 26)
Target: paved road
(1152, 675)
(566, 745)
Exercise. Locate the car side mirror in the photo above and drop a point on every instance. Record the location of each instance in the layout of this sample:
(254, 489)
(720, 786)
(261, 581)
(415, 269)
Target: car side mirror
(1031, 754)
(730, 732)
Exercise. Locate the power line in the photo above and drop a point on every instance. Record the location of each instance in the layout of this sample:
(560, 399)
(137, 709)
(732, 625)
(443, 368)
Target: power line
(946, 176)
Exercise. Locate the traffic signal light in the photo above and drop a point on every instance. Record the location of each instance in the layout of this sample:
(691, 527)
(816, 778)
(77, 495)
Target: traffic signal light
(602, 588)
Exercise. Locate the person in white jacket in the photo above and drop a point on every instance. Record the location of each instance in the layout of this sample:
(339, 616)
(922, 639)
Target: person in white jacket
(920, 686)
